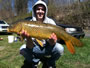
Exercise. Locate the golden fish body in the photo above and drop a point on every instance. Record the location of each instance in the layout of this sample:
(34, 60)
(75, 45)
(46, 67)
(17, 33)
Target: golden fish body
(35, 29)
(41, 30)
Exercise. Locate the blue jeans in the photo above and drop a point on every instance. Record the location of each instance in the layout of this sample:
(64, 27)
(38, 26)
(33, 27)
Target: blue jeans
(52, 53)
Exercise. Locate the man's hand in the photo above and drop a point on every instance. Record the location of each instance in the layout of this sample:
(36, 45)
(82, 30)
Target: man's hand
(24, 33)
(29, 42)
(52, 39)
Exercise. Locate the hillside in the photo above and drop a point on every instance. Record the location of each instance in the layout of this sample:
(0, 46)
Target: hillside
(75, 14)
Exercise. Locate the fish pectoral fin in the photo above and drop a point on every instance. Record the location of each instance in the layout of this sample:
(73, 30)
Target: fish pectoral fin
(70, 47)
(40, 43)
(22, 38)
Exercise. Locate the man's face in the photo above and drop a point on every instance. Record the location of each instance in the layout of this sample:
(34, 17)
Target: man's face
(40, 12)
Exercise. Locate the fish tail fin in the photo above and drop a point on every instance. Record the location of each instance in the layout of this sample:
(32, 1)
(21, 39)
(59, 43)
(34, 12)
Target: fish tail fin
(76, 42)
(73, 42)
(70, 47)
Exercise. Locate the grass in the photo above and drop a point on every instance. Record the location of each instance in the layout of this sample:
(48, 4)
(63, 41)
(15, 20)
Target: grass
(10, 57)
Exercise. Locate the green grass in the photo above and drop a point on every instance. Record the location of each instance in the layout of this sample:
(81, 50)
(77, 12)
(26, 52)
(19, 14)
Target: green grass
(10, 57)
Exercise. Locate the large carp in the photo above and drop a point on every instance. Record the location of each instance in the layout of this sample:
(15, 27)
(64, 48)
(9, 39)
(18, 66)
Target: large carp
(41, 30)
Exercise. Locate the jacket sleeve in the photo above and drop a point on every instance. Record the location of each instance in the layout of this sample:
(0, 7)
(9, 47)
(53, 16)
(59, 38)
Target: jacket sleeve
(50, 21)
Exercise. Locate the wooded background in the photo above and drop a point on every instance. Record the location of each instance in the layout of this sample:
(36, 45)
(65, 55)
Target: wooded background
(69, 12)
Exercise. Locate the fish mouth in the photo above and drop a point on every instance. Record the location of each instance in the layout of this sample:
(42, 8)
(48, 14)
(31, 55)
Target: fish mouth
(8, 30)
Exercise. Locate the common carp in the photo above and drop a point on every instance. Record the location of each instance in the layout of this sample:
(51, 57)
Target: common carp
(41, 30)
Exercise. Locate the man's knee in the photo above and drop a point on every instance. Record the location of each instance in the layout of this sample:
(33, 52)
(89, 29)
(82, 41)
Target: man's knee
(27, 54)
(59, 49)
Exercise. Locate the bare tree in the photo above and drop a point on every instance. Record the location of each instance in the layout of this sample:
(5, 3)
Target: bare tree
(5, 9)
(21, 6)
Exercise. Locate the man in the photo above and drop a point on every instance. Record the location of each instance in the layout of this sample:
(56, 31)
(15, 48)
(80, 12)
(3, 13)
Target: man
(32, 50)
